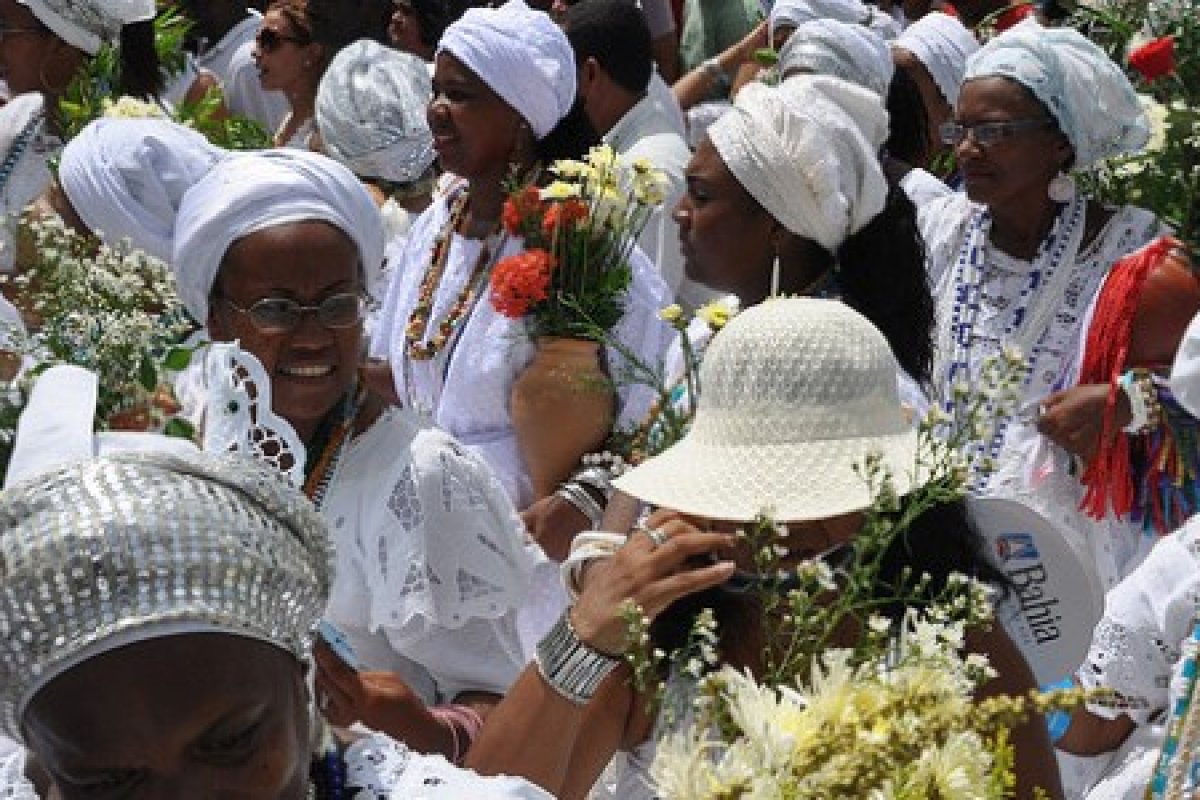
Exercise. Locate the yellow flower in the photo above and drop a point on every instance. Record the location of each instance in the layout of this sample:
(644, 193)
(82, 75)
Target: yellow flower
(602, 158)
(672, 313)
(126, 107)
(716, 314)
(569, 168)
(560, 190)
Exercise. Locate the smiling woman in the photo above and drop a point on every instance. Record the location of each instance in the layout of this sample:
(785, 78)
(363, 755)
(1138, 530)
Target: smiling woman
(278, 252)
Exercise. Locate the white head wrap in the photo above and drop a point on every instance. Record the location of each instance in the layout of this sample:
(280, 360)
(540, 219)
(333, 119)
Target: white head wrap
(522, 55)
(1086, 92)
(371, 112)
(807, 151)
(797, 12)
(942, 44)
(883, 23)
(249, 192)
(88, 24)
(126, 178)
(843, 50)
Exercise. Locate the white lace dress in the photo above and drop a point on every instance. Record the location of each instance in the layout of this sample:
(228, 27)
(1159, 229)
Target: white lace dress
(1138, 652)
(1029, 467)
(377, 768)
(431, 561)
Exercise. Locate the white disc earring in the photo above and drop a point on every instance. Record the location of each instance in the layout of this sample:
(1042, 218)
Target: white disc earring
(1061, 188)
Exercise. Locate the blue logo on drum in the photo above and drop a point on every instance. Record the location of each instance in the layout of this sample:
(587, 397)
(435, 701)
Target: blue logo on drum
(1016, 547)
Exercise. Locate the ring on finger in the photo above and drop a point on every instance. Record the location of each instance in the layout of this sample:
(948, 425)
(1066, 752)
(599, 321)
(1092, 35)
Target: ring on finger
(656, 535)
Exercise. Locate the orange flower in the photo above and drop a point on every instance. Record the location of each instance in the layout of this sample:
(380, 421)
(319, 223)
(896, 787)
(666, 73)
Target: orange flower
(519, 207)
(521, 281)
(565, 215)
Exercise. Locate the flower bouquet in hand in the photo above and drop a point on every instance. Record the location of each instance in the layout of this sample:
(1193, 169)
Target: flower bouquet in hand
(569, 286)
(579, 232)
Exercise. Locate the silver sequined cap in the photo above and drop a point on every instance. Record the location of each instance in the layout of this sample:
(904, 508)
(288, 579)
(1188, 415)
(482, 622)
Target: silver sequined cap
(102, 553)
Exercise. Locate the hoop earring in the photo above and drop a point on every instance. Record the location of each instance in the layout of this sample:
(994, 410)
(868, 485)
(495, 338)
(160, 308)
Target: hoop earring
(1061, 188)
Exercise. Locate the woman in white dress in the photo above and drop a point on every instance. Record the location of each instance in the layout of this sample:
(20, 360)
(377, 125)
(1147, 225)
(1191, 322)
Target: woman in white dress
(44, 45)
(171, 659)
(504, 101)
(1018, 260)
(272, 250)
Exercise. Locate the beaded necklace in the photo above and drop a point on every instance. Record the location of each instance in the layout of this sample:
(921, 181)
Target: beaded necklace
(1177, 772)
(318, 480)
(1032, 313)
(418, 322)
(18, 148)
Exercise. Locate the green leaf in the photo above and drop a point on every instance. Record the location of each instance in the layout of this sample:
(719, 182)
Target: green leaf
(148, 375)
(178, 358)
(179, 428)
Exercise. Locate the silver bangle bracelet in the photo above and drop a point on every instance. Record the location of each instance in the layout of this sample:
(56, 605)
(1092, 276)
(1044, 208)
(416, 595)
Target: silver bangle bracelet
(583, 502)
(569, 665)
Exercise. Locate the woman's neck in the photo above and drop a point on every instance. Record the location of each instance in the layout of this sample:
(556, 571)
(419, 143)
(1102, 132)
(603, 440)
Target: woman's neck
(1020, 233)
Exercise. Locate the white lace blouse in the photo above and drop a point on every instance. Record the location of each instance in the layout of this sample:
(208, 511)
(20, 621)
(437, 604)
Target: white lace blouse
(432, 564)
(466, 387)
(26, 148)
(377, 768)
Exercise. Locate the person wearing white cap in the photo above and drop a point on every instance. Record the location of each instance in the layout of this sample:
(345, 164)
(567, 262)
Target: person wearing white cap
(276, 251)
(933, 51)
(843, 50)
(797, 392)
(504, 100)
(370, 115)
(44, 47)
(160, 622)
(1018, 260)
(787, 15)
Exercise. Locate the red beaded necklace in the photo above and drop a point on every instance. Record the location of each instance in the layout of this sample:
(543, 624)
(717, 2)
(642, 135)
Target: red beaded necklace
(418, 322)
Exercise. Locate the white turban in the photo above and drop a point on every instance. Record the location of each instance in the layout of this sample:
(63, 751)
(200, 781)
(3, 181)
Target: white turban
(882, 23)
(843, 50)
(797, 12)
(522, 55)
(371, 112)
(88, 24)
(942, 44)
(249, 192)
(1086, 92)
(807, 151)
(126, 178)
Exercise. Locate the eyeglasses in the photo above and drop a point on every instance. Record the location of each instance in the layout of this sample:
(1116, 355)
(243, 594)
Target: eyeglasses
(986, 134)
(269, 40)
(282, 314)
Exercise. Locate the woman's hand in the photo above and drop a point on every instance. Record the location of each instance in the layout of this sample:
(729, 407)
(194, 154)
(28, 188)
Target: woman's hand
(650, 574)
(1074, 418)
(380, 700)
(553, 523)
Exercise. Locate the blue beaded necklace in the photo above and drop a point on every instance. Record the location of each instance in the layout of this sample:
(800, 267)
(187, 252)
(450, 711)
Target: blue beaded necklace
(327, 774)
(967, 285)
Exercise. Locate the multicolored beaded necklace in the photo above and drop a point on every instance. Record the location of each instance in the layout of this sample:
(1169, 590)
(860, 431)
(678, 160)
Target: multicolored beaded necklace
(418, 323)
(316, 484)
(18, 148)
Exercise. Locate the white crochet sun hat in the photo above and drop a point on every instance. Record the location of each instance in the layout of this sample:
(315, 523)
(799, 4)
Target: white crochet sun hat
(794, 394)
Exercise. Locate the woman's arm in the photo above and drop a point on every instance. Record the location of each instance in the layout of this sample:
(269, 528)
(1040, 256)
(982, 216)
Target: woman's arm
(706, 79)
(1036, 768)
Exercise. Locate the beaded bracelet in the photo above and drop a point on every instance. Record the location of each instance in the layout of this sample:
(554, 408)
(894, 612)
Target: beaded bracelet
(1144, 405)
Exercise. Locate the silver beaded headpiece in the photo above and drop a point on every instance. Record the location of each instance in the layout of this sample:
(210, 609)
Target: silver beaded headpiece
(88, 24)
(99, 554)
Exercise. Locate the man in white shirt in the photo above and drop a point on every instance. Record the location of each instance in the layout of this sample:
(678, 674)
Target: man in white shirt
(636, 113)
(226, 30)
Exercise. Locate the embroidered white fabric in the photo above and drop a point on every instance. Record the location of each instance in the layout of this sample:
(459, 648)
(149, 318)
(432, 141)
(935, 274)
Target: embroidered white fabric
(377, 768)
(1030, 468)
(466, 387)
(1138, 651)
(239, 415)
(431, 557)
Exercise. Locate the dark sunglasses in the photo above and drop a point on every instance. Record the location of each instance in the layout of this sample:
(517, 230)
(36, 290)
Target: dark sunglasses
(269, 40)
(282, 314)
